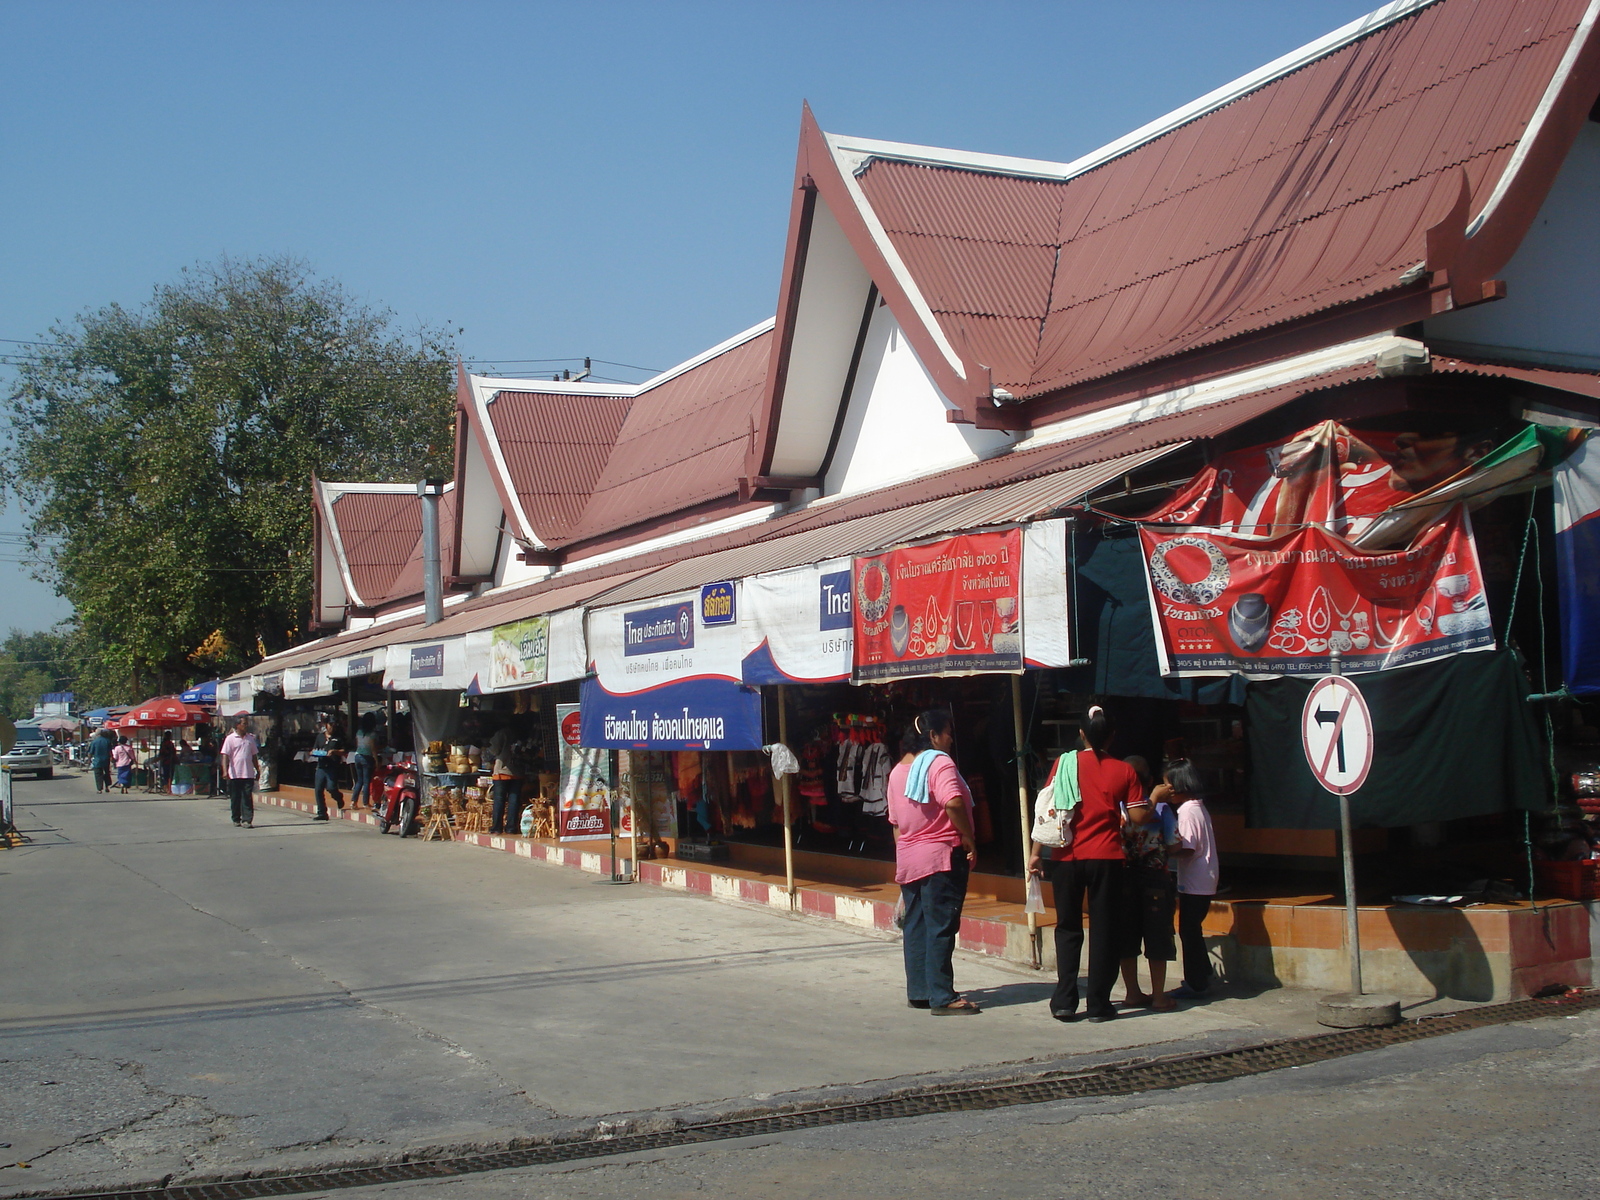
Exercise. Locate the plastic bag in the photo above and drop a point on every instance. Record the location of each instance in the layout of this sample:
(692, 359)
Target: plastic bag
(900, 912)
(1035, 902)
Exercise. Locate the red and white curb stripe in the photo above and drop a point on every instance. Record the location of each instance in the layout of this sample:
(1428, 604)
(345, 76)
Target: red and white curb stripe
(982, 935)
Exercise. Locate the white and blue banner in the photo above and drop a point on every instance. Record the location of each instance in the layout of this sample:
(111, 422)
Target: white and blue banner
(452, 664)
(796, 625)
(666, 676)
(1577, 524)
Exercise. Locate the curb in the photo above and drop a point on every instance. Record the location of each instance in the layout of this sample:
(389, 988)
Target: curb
(979, 935)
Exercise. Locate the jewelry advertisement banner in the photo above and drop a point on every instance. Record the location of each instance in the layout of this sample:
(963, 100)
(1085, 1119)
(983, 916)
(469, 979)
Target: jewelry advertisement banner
(947, 608)
(1265, 607)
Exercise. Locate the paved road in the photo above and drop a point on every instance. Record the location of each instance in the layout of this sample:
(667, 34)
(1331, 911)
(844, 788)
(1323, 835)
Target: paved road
(1505, 1113)
(183, 997)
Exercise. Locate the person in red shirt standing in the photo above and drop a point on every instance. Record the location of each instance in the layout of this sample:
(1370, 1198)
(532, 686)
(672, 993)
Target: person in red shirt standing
(1093, 866)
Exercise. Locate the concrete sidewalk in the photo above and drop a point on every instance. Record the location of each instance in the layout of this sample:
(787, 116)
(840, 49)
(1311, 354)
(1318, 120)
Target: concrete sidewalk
(188, 998)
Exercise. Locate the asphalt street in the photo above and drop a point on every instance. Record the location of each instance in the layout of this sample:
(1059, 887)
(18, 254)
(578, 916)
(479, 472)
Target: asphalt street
(184, 998)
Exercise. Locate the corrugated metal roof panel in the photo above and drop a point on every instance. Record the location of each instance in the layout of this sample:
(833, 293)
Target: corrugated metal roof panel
(1312, 191)
(378, 531)
(556, 447)
(682, 443)
(409, 581)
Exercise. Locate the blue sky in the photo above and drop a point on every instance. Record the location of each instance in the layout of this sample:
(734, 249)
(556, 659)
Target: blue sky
(556, 180)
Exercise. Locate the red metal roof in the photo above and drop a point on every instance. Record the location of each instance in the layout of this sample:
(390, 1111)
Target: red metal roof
(584, 465)
(556, 446)
(408, 580)
(378, 531)
(1313, 191)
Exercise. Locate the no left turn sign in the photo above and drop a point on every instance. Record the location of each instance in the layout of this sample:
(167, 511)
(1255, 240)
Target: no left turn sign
(1336, 732)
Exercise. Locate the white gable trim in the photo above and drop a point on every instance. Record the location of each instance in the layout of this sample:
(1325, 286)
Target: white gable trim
(1540, 115)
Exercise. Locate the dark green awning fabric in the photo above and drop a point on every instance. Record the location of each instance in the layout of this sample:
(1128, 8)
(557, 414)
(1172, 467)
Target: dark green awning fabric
(1116, 634)
(1455, 738)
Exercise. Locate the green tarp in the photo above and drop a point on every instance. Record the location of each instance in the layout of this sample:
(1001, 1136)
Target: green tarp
(1454, 738)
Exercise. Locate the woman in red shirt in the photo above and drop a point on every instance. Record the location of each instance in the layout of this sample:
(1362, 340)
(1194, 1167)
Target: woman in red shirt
(1091, 866)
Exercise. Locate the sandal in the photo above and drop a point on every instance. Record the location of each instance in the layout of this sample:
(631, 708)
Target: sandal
(1137, 1000)
(959, 1007)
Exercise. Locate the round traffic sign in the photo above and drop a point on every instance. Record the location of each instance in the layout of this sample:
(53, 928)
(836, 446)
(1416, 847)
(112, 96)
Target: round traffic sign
(1336, 733)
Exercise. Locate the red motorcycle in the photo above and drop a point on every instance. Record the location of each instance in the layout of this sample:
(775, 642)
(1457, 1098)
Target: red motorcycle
(402, 796)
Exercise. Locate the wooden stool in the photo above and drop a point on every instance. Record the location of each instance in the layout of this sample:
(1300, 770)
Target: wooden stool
(544, 819)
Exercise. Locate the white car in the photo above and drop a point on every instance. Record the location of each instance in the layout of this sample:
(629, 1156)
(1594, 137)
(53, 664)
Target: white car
(31, 754)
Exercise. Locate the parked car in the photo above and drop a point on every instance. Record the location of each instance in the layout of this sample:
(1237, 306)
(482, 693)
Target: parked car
(31, 754)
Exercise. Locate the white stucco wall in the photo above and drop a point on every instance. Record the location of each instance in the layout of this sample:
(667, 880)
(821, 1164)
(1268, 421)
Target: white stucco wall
(895, 427)
(1551, 312)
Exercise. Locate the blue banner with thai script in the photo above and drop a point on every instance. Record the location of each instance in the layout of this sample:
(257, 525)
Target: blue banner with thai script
(1577, 525)
(797, 625)
(667, 676)
(702, 714)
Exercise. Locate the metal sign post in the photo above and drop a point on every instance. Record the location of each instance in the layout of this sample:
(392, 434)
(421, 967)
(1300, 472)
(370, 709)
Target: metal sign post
(1337, 735)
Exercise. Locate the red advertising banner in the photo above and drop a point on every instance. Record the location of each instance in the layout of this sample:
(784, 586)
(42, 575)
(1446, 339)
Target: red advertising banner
(1283, 606)
(950, 608)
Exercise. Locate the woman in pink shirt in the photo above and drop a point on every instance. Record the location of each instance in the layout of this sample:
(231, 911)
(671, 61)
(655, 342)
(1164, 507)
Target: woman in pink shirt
(930, 808)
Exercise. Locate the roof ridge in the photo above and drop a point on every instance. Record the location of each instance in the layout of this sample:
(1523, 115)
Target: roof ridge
(1279, 68)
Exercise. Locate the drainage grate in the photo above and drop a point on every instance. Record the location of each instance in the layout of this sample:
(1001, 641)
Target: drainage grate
(1101, 1082)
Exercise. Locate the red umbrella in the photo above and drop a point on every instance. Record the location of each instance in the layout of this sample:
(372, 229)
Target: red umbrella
(165, 712)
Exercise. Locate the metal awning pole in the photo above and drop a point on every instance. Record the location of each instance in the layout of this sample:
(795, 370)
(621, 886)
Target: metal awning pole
(1024, 806)
(786, 784)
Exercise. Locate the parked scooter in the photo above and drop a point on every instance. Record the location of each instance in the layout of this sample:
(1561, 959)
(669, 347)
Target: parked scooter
(402, 796)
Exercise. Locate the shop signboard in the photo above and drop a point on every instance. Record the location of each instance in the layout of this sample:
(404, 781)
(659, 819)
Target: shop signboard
(356, 665)
(1265, 607)
(951, 607)
(438, 665)
(1045, 641)
(519, 653)
(301, 683)
(583, 807)
(796, 625)
(664, 679)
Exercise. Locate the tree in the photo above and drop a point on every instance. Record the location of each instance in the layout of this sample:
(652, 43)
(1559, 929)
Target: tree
(32, 664)
(164, 458)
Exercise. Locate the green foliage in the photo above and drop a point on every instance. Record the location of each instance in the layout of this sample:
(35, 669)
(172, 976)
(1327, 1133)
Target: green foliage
(164, 458)
(32, 664)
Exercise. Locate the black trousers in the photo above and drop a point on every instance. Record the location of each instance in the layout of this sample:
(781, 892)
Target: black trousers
(1101, 881)
(243, 808)
(1192, 912)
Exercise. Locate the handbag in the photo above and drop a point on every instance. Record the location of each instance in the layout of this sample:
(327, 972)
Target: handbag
(1051, 826)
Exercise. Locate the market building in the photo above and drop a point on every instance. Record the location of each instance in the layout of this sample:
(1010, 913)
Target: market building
(1013, 437)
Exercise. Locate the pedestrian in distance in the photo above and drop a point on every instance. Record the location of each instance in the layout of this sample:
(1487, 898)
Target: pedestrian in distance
(513, 763)
(327, 753)
(1195, 858)
(930, 807)
(1148, 830)
(166, 760)
(1091, 867)
(123, 757)
(100, 759)
(240, 752)
(362, 761)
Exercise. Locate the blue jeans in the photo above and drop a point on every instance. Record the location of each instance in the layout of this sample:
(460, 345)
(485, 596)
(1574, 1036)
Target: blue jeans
(360, 779)
(325, 783)
(928, 940)
(505, 816)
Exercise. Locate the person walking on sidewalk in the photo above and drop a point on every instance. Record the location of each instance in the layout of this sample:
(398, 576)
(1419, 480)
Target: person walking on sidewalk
(1092, 866)
(123, 757)
(100, 759)
(328, 753)
(1195, 856)
(240, 751)
(935, 849)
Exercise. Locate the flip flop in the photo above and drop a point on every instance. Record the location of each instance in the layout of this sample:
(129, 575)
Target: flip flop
(959, 1007)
